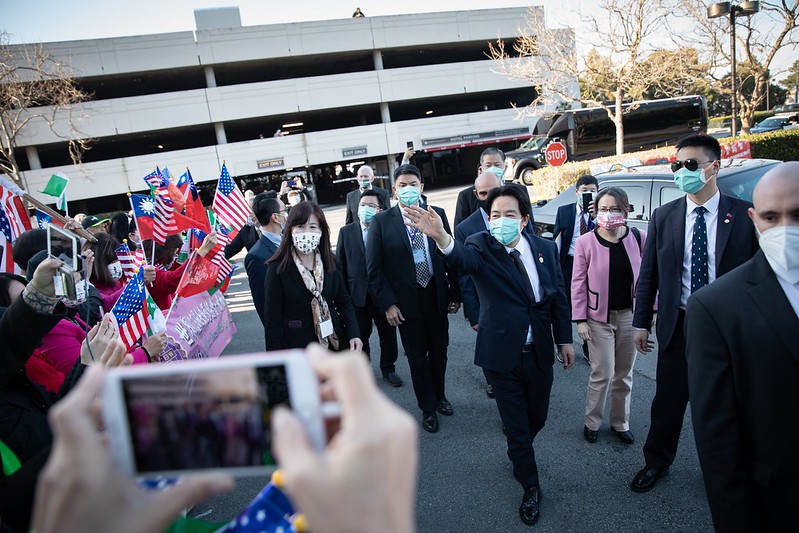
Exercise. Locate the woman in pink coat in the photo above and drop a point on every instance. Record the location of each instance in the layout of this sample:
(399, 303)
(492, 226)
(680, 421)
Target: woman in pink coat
(606, 266)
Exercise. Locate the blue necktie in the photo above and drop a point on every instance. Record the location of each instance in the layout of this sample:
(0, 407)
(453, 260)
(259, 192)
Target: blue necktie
(699, 276)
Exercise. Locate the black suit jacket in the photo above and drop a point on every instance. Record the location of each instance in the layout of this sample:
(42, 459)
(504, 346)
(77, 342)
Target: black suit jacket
(351, 256)
(474, 223)
(467, 202)
(392, 272)
(743, 378)
(661, 266)
(354, 199)
(506, 310)
(564, 226)
(246, 238)
(255, 265)
(289, 320)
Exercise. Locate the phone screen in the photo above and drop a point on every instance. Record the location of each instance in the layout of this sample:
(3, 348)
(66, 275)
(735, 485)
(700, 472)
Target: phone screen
(587, 197)
(63, 246)
(409, 145)
(210, 419)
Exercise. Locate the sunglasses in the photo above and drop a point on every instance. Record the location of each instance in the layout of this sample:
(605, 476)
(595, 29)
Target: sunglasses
(689, 164)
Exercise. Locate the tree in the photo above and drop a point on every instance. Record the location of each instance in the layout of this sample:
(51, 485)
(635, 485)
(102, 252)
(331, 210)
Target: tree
(36, 87)
(758, 39)
(792, 81)
(623, 64)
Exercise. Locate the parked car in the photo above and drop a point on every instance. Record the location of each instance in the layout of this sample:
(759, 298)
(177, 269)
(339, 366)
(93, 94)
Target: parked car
(787, 108)
(783, 121)
(648, 187)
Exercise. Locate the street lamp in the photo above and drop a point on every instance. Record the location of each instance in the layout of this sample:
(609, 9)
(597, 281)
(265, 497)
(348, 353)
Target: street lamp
(726, 8)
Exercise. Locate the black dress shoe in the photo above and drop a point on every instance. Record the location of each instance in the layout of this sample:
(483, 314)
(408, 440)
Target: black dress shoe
(625, 436)
(489, 391)
(647, 478)
(393, 379)
(529, 511)
(445, 408)
(429, 422)
(590, 435)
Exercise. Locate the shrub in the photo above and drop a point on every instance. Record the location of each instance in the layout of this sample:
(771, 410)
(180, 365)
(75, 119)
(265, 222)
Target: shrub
(782, 145)
(726, 120)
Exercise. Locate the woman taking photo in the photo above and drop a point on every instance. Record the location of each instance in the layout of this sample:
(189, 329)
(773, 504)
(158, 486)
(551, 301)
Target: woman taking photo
(305, 297)
(606, 266)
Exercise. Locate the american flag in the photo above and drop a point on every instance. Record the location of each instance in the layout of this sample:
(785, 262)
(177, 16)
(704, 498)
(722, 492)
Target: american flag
(17, 215)
(164, 223)
(7, 260)
(229, 204)
(217, 257)
(156, 182)
(127, 260)
(130, 311)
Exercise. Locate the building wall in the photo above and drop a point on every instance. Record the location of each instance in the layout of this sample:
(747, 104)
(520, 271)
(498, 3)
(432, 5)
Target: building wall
(234, 47)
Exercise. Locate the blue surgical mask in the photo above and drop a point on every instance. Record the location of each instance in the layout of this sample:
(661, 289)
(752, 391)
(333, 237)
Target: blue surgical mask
(366, 213)
(409, 195)
(364, 183)
(690, 181)
(498, 172)
(505, 229)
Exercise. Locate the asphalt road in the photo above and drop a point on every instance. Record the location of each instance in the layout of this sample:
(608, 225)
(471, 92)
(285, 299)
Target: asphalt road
(465, 478)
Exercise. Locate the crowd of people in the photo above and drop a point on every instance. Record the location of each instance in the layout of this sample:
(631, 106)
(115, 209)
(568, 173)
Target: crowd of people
(399, 267)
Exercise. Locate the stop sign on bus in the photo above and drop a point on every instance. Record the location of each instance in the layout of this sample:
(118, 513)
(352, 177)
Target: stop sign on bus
(555, 154)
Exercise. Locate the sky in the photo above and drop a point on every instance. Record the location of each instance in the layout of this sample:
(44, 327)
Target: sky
(30, 21)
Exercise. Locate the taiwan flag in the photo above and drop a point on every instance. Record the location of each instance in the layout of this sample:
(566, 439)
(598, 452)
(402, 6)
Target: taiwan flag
(194, 207)
(144, 213)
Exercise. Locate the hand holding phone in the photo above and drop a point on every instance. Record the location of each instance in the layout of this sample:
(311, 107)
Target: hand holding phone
(373, 457)
(586, 198)
(196, 415)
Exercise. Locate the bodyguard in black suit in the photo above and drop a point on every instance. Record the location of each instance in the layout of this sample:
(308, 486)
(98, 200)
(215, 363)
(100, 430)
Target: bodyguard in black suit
(522, 303)
(414, 288)
(365, 178)
(491, 160)
(685, 250)
(351, 257)
(271, 215)
(743, 371)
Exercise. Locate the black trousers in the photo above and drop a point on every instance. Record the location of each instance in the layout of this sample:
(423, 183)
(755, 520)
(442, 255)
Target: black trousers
(368, 314)
(670, 401)
(567, 268)
(425, 340)
(522, 397)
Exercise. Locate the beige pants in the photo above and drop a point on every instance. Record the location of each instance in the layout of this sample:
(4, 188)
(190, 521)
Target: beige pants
(612, 358)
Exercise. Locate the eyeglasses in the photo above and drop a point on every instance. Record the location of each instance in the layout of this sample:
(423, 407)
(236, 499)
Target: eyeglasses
(689, 164)
(612, 210)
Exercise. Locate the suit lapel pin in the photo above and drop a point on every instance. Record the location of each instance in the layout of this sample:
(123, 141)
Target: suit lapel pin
(541, 258)
(729, 217)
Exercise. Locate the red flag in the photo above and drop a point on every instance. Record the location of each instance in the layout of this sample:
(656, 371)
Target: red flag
(195, 209)
(177, 197)
(200, 275)
(185, 223)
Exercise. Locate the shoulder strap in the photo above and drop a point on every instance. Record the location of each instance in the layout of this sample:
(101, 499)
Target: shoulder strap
(637, 235)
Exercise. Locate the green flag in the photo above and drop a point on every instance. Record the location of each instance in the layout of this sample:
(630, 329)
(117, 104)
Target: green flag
(57, 187)
(157, 319)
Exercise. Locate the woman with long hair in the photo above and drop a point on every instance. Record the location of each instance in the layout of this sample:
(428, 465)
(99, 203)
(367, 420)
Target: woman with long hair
(305, 297)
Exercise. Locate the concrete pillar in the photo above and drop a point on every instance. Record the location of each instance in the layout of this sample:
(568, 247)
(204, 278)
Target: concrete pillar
(33, 157)
(377, 57)
(392, 166)
(219, 129)
(210, 77)
(385, 114)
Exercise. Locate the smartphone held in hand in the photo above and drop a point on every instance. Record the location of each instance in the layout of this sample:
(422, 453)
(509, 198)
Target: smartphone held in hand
(586, 198)
(196, 415)
(63, 245)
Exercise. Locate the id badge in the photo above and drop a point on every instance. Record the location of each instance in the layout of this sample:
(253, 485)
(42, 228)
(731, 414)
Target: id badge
(326, 328)
(419, 256)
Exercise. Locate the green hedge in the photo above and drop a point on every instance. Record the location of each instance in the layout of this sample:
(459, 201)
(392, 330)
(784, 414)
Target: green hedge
(549, 181)
(726, 120)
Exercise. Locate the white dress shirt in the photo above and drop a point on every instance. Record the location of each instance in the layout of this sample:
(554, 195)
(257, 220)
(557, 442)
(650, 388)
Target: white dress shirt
(410, 231)
(789, 281)
(576, 233)
(364, 232)
(485, 217)
(711, 222)
(274, 237)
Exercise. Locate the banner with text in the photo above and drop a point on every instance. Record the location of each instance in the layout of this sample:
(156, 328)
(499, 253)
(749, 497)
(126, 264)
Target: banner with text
(198, 327)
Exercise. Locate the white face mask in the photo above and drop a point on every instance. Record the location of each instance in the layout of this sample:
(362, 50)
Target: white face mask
(307, 241)
(781, 246)
(115, 269)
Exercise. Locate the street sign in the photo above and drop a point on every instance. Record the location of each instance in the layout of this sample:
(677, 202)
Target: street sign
(555, 154)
